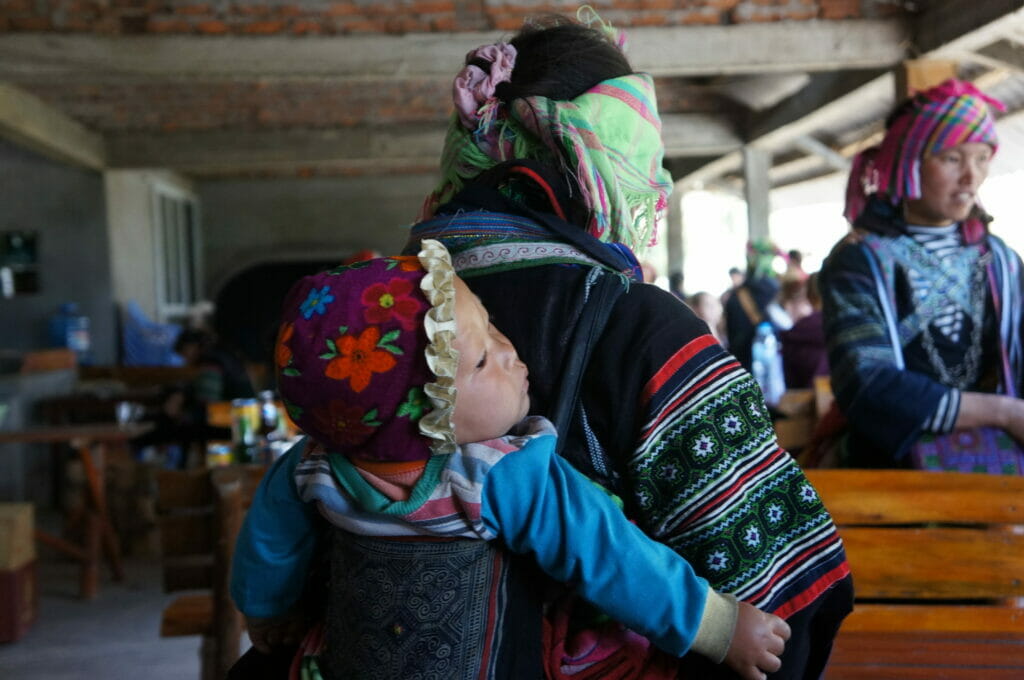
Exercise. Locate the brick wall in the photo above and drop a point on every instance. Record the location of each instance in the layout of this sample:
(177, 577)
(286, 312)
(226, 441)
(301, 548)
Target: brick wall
(312, 17)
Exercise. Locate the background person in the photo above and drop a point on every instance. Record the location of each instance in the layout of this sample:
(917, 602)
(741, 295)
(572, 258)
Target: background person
(804, 355)
(753, 301)
(708, 308)
(923, 311)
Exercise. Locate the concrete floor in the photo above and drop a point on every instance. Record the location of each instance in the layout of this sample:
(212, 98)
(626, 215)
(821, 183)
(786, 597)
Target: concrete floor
(112, 637)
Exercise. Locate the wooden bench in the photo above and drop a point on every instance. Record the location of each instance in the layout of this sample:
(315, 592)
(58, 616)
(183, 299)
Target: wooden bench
(140, 376)
(200, 515)
(938, 569)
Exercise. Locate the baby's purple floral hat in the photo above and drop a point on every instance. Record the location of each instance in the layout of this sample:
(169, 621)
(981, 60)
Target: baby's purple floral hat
(364, 356)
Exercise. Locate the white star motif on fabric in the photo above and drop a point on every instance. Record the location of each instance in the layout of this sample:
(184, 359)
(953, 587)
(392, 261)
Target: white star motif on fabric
(732, 424)
(704, 446)
(753, 537)
(718, 560)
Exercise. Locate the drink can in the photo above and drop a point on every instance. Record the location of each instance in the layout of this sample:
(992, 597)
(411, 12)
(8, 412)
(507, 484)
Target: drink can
(217, 454)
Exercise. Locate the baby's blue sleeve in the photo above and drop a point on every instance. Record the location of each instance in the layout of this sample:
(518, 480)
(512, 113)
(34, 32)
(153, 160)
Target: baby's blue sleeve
(276, 544)
(540, 505)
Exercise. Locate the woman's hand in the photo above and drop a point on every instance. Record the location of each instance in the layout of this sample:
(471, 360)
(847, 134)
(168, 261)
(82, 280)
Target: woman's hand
(980, 409)
(1014, 425)
(757, 643)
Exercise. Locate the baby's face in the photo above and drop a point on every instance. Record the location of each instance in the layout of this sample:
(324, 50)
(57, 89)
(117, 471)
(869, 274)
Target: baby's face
(491, 382)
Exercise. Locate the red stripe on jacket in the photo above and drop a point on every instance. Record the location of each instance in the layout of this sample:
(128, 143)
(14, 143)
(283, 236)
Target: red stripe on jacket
(687, 352)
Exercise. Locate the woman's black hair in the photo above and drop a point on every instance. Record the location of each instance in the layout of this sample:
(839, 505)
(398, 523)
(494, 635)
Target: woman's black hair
(903, 107)
(560, 59)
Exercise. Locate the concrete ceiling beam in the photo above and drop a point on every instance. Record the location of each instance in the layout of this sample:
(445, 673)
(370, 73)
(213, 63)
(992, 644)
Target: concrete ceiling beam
(944, 30)
(32, 123)
(224, 152)
(390, 149)
(777, 47)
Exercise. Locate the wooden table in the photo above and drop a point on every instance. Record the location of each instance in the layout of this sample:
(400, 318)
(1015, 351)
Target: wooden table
(91, 443)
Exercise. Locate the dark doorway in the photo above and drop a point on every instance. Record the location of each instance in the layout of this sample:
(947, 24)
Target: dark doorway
(248, 307)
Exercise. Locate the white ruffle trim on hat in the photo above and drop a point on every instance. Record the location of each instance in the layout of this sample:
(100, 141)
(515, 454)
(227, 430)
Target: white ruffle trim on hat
(438, 287)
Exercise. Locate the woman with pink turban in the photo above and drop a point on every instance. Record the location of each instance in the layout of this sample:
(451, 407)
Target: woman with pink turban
(923, 313)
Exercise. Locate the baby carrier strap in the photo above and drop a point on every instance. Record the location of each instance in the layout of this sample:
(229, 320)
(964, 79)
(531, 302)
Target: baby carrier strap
(599, 292)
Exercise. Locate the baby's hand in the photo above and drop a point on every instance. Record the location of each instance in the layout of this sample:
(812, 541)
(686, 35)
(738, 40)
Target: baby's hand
(276, 631)
(757, 643)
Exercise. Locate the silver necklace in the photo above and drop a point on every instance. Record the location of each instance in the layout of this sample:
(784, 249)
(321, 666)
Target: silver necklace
(966, 373)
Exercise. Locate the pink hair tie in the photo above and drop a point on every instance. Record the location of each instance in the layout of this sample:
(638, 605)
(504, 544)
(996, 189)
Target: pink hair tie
(473, 87)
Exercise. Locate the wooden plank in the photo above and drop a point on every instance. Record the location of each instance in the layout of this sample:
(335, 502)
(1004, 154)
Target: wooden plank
(187, 615)
(888, 672)
(227, 624)
(935, 563)
(218, 413)
(920, 655)
(889, 559)
(184, 535)
(179, 489)
(796, 402)
(917, 75)
(140, 376)
(249, 475)
(48, 360)
(949, 619)
(794, 433)
(187, 577)
(823, 397)
(908, 496)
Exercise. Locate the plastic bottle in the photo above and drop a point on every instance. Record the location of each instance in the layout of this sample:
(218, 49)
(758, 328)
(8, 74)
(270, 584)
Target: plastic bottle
(269, 417)
(766, 363)
(270, 426)
(69, 328)
(245, 426)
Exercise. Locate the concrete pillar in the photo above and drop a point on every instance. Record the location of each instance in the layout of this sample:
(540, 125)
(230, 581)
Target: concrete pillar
(756, 163)
(674, 235)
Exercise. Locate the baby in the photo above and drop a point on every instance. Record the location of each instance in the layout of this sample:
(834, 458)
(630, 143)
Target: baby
(416, 411)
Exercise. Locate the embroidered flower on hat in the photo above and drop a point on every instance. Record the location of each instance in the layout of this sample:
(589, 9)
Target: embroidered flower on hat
(316, 302)
(347, 423)
(406, 263)
(282, 352)
(389, 300)
(415, 405)
(294, 410)
(359, 358)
